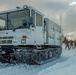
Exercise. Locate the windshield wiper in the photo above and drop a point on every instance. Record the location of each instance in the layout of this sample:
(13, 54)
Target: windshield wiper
(21, 27)
(17, 28)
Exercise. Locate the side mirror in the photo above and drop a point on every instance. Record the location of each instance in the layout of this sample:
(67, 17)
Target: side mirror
(30, 20)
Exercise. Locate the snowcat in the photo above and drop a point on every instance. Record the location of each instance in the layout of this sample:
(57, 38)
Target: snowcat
(27, 36)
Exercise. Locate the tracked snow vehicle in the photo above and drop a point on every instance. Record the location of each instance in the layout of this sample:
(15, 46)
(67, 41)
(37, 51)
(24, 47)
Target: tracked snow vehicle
(27, 36)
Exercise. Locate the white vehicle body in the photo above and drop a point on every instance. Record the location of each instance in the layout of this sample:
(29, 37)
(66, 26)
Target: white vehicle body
(27, 27)
(34, 35)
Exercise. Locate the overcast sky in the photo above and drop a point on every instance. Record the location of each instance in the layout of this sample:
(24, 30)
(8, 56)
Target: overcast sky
(51, 9)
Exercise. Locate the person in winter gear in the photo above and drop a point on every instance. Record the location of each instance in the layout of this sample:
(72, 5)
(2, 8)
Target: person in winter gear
(74, 43)
(66, 43)
(71, 44)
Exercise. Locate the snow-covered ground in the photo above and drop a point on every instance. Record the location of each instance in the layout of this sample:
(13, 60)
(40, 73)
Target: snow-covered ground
(65, 65)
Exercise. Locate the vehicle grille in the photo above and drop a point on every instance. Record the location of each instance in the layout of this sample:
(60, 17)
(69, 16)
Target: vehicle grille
(9, 41)
(5, 41)
(9, 37)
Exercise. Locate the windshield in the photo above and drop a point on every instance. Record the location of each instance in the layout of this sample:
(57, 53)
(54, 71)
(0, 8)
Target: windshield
(14, 19)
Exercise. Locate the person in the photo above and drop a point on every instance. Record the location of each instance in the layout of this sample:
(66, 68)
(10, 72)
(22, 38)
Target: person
(64, 40)
(66, 43)
(74, 43)
(71, 44)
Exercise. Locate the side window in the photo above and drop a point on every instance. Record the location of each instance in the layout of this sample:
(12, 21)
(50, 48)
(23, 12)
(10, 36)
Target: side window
(52, 26)
(56, 27)
(38, 20)
(60, 29)
(33, 16)
(3, 21)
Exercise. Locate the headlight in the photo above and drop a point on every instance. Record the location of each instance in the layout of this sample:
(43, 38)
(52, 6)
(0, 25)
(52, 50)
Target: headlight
(23, 41)
(3, 52)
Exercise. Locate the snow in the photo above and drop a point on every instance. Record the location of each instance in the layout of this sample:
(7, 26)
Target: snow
(65, 65)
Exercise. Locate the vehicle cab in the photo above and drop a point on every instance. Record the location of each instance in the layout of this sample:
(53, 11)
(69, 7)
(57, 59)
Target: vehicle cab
(21, 26)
